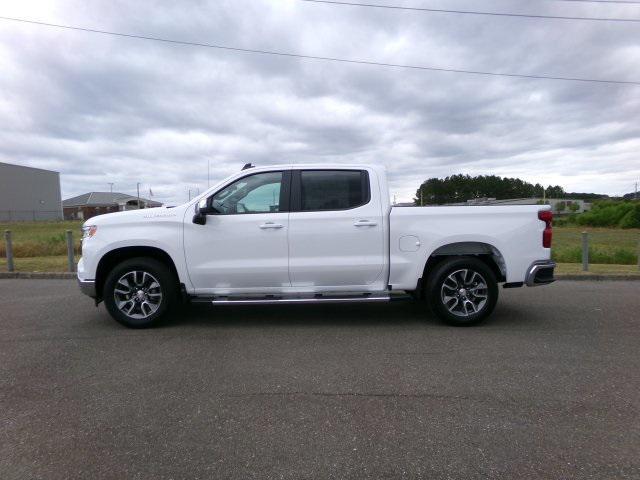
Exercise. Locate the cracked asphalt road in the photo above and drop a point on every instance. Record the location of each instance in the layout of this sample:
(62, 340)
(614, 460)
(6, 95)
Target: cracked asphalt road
(549, 387)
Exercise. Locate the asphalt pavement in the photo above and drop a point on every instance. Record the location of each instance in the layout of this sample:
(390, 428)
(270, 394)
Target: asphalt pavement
(548, 388)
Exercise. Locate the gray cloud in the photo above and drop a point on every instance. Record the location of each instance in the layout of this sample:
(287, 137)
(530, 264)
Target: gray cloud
(103, 109)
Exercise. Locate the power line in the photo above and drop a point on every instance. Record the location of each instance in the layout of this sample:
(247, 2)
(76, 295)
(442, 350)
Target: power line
(620, 2)
(470, 12)
(315, 57)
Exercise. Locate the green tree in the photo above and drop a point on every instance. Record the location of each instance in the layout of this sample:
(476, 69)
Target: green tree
(555, 192)
(460, 188)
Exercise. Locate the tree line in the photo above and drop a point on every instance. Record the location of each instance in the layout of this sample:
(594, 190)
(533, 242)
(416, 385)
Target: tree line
(460, 188)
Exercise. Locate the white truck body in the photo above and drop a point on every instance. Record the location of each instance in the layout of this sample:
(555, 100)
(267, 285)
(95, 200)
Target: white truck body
(370, 248)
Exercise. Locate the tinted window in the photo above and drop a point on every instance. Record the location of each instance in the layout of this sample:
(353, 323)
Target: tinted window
(259, 193)
(333, 189)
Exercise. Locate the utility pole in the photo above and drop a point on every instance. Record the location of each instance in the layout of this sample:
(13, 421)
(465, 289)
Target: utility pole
(189, 194)
(636, 194)
(138, 189)
(111, 187)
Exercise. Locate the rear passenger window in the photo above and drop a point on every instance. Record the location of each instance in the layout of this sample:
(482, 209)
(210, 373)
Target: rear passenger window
(333, 189)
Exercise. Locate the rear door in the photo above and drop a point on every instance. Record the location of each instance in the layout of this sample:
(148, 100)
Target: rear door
(336, 230)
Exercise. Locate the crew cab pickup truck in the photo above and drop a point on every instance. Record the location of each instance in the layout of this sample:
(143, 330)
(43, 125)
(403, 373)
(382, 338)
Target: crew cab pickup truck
(311, 233)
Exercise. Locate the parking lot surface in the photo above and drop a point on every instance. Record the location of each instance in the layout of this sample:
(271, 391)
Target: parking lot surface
(549, 387)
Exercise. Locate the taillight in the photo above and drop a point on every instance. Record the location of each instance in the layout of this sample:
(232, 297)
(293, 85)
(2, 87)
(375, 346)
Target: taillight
(547, 217)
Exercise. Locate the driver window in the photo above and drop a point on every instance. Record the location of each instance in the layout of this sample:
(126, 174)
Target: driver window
(259, 193)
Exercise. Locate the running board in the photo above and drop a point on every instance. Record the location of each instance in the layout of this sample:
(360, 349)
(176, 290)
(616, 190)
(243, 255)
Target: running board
(283, 300)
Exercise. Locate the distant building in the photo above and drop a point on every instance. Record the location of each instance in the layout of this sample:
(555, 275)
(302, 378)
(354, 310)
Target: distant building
(91, 204)
(558, 205)
(29, 194)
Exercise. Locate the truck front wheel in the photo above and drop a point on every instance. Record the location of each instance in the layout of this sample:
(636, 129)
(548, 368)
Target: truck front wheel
(139, 291)
(462, 291)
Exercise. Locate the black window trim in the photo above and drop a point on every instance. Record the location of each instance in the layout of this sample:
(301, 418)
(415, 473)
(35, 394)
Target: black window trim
(285, 193)
(296, 188)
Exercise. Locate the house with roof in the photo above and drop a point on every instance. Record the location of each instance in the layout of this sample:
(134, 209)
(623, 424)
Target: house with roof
(91, 204)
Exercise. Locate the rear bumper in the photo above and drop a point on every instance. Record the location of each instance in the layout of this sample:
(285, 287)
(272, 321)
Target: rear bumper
(540, 273)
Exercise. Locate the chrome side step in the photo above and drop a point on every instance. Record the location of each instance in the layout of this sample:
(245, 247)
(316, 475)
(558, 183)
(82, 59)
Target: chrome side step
(283, 300)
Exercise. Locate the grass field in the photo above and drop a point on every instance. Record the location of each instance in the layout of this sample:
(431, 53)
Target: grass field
(606, 245)
(57, 263)
(40, 239)
(597, 269)
(41, 246)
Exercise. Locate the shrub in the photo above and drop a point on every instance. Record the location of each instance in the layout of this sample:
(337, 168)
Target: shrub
(632, 218)
(606, 213)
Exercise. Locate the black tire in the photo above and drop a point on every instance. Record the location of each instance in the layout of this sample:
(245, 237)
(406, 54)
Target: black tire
(146, 273)
(464, 305)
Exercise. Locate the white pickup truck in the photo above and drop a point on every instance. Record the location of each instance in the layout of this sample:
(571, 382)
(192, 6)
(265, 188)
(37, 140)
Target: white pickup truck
(311, 233)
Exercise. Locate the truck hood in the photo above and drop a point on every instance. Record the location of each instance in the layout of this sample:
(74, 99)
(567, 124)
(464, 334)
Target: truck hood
(134, 216)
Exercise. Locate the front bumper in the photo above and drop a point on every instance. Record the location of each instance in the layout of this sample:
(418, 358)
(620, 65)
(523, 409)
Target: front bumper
(540, 273)
(88, 287)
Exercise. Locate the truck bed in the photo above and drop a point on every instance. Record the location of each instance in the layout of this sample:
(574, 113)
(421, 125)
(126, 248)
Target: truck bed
(512, 233)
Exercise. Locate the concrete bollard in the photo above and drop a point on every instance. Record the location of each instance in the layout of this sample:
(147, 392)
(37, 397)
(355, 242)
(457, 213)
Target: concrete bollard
(7, 241)
(585, 252)
(70, 255)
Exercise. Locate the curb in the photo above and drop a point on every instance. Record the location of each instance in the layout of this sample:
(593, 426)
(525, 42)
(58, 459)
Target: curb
(72, 275)
(41, 275)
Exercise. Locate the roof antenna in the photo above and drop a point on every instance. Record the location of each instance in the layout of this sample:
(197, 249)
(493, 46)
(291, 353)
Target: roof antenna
(246, 166)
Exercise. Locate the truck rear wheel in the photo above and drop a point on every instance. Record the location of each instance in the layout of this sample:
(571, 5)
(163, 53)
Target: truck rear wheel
(139, 291)
(462, 291)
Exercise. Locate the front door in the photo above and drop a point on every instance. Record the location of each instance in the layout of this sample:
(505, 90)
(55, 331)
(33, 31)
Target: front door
(243, 246)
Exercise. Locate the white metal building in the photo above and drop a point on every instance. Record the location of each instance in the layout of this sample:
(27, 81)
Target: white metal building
(29, 194)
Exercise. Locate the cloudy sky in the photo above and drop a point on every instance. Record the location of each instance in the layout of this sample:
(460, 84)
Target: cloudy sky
(105, 109)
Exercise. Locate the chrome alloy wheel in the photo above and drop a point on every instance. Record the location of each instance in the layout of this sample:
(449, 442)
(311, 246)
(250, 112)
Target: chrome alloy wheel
(137, 294)
(464, 292)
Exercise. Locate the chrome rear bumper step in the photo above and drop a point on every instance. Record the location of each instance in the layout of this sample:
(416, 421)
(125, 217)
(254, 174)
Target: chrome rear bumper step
(540, 273)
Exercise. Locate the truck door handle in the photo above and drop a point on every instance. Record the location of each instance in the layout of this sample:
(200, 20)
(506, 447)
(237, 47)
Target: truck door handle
(271, 225)
(365, 223)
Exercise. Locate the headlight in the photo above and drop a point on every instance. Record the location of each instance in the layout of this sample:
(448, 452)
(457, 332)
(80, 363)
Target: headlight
(89, 231)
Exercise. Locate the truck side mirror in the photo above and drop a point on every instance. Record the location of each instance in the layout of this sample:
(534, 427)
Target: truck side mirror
(200, 217)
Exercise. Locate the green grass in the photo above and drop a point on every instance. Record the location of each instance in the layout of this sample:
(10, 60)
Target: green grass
(597, 269)
(606, 245)
(38, 264)
(40, 239)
